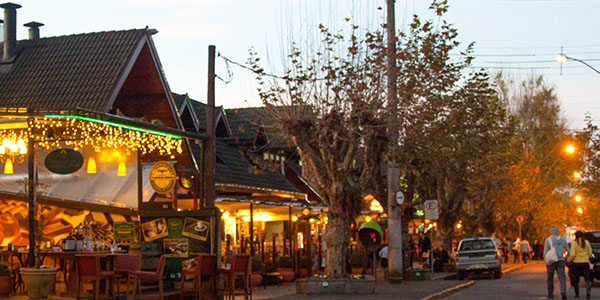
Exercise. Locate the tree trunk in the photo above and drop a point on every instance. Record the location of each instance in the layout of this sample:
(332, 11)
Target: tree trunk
(337, 238)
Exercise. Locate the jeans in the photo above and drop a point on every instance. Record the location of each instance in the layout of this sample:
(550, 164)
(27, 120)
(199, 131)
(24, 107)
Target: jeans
(525, 256)
(559, 267)
(515, 256)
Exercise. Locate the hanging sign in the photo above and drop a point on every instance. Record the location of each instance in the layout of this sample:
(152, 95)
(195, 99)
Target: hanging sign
(63, 161)
(162, 177)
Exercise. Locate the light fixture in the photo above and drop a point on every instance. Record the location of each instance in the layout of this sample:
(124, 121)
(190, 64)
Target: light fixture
(121, 170)
(578, 198)
(305, 211)
(294, 218)
(91, 166)
(368, 219)
(8, 166)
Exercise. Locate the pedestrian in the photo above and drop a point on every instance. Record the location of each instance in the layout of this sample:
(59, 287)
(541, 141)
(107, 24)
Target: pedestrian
(579, 256)
(411, 251)
(558, 245)
(524, 248)
(535, 247)
(515, 250)
(383, 254)
(424, 246)
(505, 246)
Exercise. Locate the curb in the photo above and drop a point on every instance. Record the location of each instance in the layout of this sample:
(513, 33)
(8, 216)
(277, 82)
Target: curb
(519, 267)
(449, 291)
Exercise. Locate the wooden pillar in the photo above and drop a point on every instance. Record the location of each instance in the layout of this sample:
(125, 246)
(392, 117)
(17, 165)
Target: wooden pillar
(210, 154)
(307, 249)
(274, 250)
(290, 230)
(31, 182)
(251, 228)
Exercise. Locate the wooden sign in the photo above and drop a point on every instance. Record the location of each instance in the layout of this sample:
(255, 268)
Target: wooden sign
(162, 177)
(63, 161)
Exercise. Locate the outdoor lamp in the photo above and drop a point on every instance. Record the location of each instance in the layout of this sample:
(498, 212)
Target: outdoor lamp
(576, 175)
(578, 198)
(121, 170)
(580, 210)
(91, 166)
(8, 166)
(570, 148)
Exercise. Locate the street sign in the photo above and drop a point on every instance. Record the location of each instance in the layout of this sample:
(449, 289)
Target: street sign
(399, 197)
(519, 219)
(431, 210)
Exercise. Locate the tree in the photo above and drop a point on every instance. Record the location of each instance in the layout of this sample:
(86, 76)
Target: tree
(331, 104)
(451, 119)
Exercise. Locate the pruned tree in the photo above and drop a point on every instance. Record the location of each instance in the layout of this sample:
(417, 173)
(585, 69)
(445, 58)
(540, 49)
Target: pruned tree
(331, 103)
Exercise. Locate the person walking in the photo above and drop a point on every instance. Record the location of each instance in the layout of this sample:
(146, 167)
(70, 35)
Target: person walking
(524, 248)
(559, 245)
(579, 256)
(505, 245)
(515, 250)
(424, 247)
(535, 249)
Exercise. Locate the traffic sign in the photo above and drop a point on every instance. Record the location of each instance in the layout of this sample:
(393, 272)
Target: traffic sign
(399, 197)
(519, 219)
(431, 210)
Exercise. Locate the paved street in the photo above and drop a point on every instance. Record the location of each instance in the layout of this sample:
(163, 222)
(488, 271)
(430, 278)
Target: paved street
(528, 283)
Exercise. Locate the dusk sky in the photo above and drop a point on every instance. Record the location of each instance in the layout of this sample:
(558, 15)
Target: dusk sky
(520, 37)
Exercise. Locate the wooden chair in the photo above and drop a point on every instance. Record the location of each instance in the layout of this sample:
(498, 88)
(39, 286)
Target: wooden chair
(123, 266)
(88, 267)
(240, 267)
(204, 265)
(156, 276)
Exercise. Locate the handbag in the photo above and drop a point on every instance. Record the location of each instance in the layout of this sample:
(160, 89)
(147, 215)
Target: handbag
(551, 256)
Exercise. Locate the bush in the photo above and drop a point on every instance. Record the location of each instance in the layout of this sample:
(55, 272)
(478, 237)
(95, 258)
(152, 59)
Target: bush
(357, 259)
(5, 269)
(285, 262)
(257, 264)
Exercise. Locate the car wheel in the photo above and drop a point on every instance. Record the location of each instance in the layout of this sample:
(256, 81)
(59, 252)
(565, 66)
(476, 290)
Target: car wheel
(498, 273)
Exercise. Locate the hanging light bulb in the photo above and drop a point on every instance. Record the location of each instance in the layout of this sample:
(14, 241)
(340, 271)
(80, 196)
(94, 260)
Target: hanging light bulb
(91, 167)
(121, 170)
(8, 166)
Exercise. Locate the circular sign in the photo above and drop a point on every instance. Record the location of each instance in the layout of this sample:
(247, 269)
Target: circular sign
(63, 161)
(519, 219)
(399, 197)
(162, 177)
(186, 180)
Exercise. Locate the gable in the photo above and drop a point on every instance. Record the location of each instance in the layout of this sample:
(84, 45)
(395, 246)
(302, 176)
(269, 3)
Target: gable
(68, 72)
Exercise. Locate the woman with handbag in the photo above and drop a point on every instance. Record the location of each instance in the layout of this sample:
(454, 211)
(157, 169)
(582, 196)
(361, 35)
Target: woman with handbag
(554, 247)
(579, 256)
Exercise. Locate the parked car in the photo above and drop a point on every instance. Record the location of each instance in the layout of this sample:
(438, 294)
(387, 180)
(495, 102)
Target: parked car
(594, 238)
(478, 255)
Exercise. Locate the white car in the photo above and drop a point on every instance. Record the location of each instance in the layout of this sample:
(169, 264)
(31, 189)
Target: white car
(478, 255)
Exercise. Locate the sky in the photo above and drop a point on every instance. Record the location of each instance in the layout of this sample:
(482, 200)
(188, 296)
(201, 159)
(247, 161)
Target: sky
(517, 37)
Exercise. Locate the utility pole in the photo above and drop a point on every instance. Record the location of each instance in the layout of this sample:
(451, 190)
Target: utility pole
(393, 174)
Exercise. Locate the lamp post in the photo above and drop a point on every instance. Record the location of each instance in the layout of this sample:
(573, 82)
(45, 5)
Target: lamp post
(563, 58)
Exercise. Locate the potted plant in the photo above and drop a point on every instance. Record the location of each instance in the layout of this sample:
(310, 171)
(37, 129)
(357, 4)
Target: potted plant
(38, 280)
(257, 267)
(356, 261)
(285, 267)
(6, 279)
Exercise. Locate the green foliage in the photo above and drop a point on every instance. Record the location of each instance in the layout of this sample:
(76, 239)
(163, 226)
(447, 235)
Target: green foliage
(257, 264)
(285, 262)
(5, 269)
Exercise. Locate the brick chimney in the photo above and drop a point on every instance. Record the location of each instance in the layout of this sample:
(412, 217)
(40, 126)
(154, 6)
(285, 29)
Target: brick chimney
(10, 31)
(34, 30)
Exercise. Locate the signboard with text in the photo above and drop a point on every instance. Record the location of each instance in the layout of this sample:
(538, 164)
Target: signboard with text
(431, 210)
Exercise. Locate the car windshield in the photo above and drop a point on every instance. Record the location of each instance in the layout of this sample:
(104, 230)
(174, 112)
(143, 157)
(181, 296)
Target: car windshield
(477, 245)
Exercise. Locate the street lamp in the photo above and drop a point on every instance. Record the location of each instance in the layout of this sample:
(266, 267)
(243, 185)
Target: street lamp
(577, 175)
(577, 198)
(580, 210)
(570, 149)
(562, 58)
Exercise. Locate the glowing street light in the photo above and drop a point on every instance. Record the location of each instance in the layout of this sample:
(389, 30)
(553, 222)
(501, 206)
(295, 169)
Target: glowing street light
(580, 210)
(570, 149)
(562, 58)
(577, 198)
(576, 175)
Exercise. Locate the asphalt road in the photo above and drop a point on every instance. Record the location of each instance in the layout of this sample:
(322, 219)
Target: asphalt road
(527, 283)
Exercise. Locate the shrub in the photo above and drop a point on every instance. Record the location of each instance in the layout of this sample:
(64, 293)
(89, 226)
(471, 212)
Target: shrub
(285, 262)
(5, 269)
(257, 264)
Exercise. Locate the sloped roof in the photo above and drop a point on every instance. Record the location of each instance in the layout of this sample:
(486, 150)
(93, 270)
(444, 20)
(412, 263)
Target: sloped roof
(66, 72)
(246, 123)
(233, 168)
